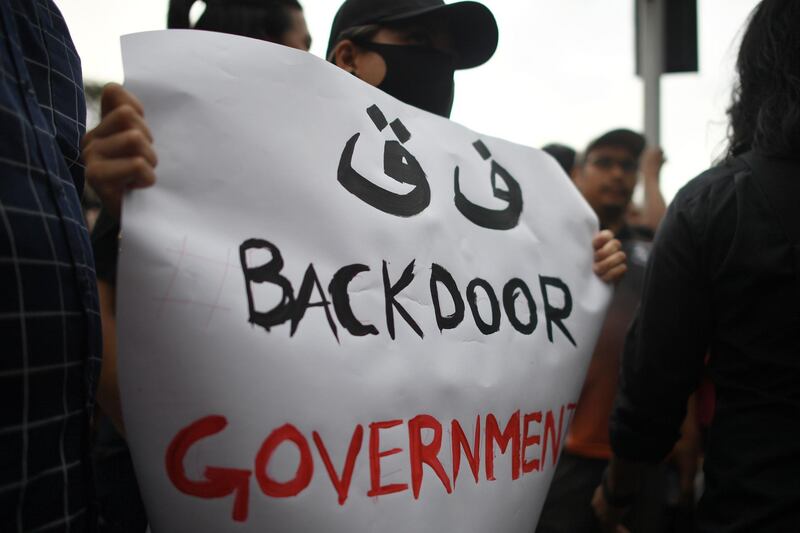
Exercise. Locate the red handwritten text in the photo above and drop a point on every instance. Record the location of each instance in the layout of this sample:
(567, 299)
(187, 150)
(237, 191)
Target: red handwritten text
(518, 438)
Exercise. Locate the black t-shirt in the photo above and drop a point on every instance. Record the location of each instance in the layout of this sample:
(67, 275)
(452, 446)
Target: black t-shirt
(119, 503)
(105, 244)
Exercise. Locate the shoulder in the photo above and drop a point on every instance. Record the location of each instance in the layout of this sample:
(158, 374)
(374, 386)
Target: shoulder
(702, 218)
(714, 186)
(708, 199)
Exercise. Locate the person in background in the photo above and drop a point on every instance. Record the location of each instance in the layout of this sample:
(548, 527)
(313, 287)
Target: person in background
(276, 21)
(606, 175)
(49, 318)
(724, 278)
(651, 213)
(565, 156)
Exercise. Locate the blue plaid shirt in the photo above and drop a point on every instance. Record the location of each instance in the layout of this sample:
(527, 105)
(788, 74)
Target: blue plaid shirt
(50, 342)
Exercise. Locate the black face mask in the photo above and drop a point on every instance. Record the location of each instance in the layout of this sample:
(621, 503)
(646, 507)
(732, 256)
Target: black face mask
(417, 75)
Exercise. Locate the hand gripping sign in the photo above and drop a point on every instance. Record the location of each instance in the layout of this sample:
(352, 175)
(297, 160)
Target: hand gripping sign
(338, 312)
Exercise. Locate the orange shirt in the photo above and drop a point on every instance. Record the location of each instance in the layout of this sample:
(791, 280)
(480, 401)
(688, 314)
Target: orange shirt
(588, 434)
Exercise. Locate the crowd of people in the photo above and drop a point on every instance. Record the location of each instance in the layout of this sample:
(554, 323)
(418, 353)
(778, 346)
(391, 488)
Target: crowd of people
(706, 291)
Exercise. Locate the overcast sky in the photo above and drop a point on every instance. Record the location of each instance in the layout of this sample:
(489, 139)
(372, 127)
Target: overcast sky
(563, 71)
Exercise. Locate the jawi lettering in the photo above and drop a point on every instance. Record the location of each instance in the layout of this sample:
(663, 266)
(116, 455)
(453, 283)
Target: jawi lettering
(400, 165)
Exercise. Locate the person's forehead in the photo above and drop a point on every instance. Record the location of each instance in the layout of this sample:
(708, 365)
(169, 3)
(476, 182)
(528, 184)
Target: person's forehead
(612, 150)
(438, 34)
(434, 26)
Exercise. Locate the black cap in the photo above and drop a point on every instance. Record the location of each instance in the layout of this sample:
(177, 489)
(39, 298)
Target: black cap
(563, 154)
(628, 139)
(471, 24)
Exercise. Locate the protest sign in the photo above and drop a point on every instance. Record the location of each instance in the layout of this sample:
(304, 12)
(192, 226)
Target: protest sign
(338, 312)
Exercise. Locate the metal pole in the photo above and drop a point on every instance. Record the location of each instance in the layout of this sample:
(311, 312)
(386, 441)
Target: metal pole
(651, 13)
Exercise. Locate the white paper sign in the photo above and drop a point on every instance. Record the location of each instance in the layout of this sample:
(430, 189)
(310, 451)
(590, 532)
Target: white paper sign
(337, 312)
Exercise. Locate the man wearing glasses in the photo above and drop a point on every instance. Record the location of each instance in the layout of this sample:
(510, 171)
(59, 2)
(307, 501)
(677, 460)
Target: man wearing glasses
(606, 176)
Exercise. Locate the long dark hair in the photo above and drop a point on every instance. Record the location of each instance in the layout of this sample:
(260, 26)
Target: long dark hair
(765, 114)
(260, 19)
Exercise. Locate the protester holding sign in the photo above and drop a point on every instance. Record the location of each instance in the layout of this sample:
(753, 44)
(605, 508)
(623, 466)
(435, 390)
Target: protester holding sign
(724, 276)
(609, 260)
(388, 293)
(417, 41)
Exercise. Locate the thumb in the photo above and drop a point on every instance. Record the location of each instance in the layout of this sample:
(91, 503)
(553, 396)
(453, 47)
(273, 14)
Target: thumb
(115, 95)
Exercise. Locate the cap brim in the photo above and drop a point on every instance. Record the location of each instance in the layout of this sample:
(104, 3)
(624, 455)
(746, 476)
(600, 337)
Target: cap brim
(471, 24)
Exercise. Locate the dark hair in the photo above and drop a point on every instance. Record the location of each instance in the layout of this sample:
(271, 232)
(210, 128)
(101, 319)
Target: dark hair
(265, 19)
(765, 113)
(562, 153)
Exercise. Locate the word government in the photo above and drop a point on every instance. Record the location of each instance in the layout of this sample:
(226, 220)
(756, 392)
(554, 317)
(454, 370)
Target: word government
(556, 299)
(522, 443)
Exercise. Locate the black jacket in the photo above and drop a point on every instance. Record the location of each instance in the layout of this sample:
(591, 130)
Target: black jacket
(724, 279)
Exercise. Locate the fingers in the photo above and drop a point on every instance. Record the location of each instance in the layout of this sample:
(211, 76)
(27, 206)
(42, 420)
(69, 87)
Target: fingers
(123, 118)
(119, 153)
(609, 259)
(128, 172)
(601, 238)
(611, 269)
(653, 160)
(607, 250)
(655, 152)
(115, 96)
(127, 143)
(110, 178)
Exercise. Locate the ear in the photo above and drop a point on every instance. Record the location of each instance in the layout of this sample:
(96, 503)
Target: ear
(345, 55)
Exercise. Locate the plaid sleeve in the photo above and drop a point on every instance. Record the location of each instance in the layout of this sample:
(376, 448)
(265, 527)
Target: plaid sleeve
(49, 320)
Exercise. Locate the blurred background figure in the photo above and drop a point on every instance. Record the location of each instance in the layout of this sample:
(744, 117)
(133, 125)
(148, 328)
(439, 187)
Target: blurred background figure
(120, 507)
(564, 155)
(276, 21)
(606, 175)
(654, 206)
